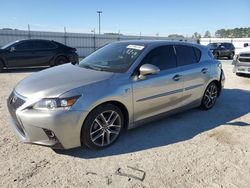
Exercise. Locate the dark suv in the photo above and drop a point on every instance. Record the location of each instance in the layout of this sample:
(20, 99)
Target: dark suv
(34, 53)
(224, 49)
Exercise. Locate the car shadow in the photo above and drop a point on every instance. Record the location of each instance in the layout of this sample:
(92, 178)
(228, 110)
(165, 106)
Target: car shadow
(244, 75)
(22, 70)
(232, 104)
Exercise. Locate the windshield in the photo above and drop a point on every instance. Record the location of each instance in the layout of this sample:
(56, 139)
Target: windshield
(115, 57)
(213, 45)
(7, 45)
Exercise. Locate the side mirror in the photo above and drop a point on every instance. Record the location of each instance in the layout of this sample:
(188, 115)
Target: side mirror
(148, 69)
(12, 49)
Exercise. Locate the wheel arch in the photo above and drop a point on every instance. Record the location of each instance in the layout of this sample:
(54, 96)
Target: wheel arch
(118, 104)
(57, 56)
(217, 82)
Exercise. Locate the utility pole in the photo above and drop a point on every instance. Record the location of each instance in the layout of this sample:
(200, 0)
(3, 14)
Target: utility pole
(29, 35)
(99, 15)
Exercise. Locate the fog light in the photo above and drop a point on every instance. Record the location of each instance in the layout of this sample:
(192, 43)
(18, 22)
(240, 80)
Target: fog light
(50, 134)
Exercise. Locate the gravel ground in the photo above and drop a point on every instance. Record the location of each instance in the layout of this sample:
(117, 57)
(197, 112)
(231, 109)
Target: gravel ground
(192, 149)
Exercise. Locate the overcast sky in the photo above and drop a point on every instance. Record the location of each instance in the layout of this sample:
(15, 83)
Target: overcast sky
(127, 16)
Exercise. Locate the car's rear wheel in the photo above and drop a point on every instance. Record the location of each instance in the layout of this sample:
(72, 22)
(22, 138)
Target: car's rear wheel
(102, 126)
(61, 60)
(210, 96)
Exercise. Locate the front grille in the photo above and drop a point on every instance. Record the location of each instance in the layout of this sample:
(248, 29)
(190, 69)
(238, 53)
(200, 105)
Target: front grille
(245, 55)
(244, 60)
(16, 101)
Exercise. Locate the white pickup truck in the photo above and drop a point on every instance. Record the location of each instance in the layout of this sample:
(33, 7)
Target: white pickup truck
(241, 61)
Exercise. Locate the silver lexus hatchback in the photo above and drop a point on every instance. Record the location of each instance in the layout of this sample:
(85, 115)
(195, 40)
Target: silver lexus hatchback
(120, 86)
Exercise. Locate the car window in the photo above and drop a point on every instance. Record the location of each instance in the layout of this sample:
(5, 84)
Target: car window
(197, 54)
(43, 45)
(114, 57)
(25, 45)
(163, 57)
(185, 55)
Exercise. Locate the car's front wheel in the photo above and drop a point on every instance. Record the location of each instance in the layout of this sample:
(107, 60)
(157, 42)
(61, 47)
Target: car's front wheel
(231, 56)
(1, 66)
(102, 126)
(210, 96)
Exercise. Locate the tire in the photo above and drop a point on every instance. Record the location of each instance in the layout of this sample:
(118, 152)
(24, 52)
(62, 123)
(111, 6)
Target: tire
(102, 126)
(239, 74)
(210, 96)
(61, 60)
(1, 66)
(231, 56)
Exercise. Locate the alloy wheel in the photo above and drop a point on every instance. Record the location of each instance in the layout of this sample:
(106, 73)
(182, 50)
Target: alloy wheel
(210, 96)
(105, 128)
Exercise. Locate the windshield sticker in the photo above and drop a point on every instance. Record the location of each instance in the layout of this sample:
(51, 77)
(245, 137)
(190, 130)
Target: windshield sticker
(136, 47)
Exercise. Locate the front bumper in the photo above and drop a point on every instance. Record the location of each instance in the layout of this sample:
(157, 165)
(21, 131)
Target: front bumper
(241, 69)
(56, 129)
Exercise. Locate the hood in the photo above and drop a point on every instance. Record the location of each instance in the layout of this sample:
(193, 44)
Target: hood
(55, 81)
(243, 50)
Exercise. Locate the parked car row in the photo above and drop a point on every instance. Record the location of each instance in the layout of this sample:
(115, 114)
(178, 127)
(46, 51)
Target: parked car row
(35, 53)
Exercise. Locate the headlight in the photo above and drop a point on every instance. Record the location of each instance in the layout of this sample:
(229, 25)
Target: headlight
(55, 103)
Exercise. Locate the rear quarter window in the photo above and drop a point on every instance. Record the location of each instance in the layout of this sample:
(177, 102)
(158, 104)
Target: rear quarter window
(197, 54)
(186, 55)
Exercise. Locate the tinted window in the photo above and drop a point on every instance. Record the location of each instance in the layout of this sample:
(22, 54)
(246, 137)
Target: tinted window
(162, 57)
(213, 46)
(26, 45)
(185, 55)
(228, 45)
(197, 54)
(43, 45)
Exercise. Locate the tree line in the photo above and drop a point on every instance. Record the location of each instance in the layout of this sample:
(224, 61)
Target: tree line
(221, 33)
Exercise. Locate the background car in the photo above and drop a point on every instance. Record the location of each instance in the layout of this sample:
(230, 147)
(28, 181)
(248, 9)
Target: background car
(34, 53)
(241, 61)
(224, 49)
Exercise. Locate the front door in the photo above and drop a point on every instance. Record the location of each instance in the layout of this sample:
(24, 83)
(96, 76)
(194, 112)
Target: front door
(158, 93)
(21, 54)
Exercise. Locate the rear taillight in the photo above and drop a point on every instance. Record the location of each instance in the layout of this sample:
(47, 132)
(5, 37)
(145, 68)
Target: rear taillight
(220, 65)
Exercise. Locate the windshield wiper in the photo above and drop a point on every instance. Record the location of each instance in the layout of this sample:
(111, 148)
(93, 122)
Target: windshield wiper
(93, 67)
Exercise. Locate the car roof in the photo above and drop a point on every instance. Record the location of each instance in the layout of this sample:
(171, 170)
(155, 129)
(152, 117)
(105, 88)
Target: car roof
(159, 42)
(21, 40)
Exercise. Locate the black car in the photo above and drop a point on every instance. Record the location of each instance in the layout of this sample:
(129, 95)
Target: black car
(36, 53)
(224, 49)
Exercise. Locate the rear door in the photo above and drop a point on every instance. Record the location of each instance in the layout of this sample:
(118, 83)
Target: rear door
(195, 72)
(44, 52)
(161, 92)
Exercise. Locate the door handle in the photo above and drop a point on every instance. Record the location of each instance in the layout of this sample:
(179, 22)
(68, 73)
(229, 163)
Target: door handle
(177, 77)
(204, 70)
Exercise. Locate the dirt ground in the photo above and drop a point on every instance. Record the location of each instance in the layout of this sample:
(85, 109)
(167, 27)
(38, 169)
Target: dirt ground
(192, 149)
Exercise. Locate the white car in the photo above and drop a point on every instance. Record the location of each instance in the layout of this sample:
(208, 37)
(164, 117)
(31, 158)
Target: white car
(241, 61)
